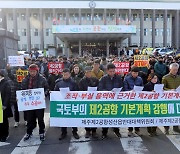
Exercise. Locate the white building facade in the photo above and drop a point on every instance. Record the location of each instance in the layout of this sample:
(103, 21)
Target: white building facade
(157, 23)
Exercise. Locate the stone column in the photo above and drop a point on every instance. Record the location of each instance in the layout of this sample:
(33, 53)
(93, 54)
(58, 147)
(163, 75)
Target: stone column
(107, 48)
(105, 16)
(92, 16)
(129, 19)
(117, 17)
(80, 20)
(153, 28)
(15, 22)
(165, 29)
(80, 52)
(41, 30)
(67, 17)
(54, 36)
(3, 20)
(28, 30)
(142, 28)
(177, 29)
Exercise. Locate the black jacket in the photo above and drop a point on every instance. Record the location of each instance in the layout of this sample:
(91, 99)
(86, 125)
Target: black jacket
(52, 79)
(40, 82)
(5, 91)
(107, 83)
(61, 83)
(149, 86)
(88, 82)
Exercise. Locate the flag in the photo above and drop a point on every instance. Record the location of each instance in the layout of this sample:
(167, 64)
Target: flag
(1, 110)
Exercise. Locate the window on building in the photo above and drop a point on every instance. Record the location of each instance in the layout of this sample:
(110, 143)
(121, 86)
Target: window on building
(162, 17)
(112, 17)
(156, 45)
(145, 32)
(60, 16)
(83, 16)
(10, 16)
(35, 32)
(36, 46)
(35, 15)
(168, 32)
(134, 17)
(150, 17)
(48, 16)
(64, 16)
(98, 16)
(19, 47)
(150, 30)
(168, 17)
(23, 32)
(24, 47)
(123, 17)
(157, 17)
(145, 17)
(48, 32)
(162, 32)
(23, 16)
(156, 32)
(11, 30)
(88, 16)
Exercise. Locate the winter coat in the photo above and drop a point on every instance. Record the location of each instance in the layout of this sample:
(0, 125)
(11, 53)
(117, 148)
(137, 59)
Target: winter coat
(88, 82)
(107, 83)
(62, 83)
(5, 91)
(130, 82)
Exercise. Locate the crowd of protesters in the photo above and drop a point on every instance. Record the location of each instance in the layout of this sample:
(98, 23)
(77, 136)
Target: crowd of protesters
(78, 74)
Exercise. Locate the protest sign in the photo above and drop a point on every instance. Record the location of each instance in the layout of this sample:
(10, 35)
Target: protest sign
(110, 109)
(121, 67)
(55, 67)
(21, 74)
(141, 60)
(1, 110)
(16, 60)
(31, 99)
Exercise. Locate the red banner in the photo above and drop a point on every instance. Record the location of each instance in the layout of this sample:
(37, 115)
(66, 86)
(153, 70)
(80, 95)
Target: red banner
(122, 67)
(55, 67)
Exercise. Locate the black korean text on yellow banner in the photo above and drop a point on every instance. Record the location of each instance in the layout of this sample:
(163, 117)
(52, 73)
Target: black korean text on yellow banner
(21, 74)
(1, 110)
(141, 60)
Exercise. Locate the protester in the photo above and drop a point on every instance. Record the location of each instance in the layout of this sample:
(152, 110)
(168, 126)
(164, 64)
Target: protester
(152, 80)
(130, 81)
(5, 91)
(32, 81)
(67, 82)
(171, 81)
(107, 83)
(96, 72)
(160, 68)
(76, 73)
(85, 82)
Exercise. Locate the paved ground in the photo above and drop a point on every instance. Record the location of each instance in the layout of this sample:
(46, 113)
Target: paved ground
(161, 144)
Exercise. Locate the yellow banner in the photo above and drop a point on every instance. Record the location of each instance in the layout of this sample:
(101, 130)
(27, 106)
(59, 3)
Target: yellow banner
(1, 110)
(141, 60)
(21, 74)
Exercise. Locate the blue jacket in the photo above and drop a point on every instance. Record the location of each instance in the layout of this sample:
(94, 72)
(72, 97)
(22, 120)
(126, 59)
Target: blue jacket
(130, 82)
(61, 83)
(107, 83)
